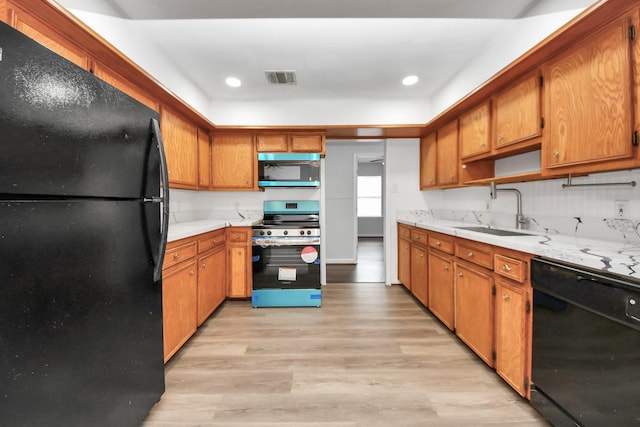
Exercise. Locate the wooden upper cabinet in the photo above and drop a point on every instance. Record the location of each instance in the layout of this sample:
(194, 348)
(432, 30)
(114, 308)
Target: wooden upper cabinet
(181, 146)
(308, 143)
(46, 36)
(272, 143)
(301, 142)
(118, 81)
(204, 159)
(234, 162)
(475, 131)
(517, 112)
(589, 100)
(428, 161)
(447, 154)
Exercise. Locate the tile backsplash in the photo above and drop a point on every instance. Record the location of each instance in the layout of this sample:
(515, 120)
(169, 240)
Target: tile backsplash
(590, 212)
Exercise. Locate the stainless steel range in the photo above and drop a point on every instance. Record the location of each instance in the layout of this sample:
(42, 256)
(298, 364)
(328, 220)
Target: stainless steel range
(286, 255)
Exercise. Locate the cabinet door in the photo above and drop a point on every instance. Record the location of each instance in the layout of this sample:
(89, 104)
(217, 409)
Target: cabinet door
(447, 154)
(517, 112)
(474, 309)
(474, 131)
(275, 143)
(589, 102)
(211, 281)
(179, 300)
(307, 143)
(512, 334)
(116, 80)
(234, 162)
(440, 273)
(238, 272)
(419, 285)
(204, 159)
(428, 161)
(46, 36)
(404, 262)
(181, 146)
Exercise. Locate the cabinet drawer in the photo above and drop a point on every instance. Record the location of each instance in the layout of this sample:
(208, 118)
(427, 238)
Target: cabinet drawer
(419, 236)
(481, 255)
(512, 268)
(441, 242)
(238, 235)
(210, 240)
(404, 231)
(179, 253)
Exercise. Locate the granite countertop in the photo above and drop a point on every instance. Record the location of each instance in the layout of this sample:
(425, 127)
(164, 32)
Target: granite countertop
(608, 256)
(182, 230)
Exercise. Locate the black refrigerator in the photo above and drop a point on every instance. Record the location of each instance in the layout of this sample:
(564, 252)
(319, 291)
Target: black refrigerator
(83, 210)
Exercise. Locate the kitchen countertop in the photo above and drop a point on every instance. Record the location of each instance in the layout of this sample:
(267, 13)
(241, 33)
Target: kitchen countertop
(607, 256)
(182, 230)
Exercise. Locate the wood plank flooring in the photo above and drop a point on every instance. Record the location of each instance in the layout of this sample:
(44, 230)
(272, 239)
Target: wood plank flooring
(370, 356)
(370, 266)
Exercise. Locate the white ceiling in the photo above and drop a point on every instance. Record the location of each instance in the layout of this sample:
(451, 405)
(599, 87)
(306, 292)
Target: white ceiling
(352, 49)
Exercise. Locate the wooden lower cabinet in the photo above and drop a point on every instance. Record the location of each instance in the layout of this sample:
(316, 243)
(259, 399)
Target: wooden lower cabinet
(441, 285)
(211, 282)
(404, 255)
(179, 301)
(513, 312)
(474, 309)
(239, 270)
(419, 279)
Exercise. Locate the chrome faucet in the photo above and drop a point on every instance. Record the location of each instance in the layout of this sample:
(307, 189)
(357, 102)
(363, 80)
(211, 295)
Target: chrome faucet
(520, 219)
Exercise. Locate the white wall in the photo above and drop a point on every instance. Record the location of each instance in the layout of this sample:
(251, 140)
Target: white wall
(402, 169)
(340, 233)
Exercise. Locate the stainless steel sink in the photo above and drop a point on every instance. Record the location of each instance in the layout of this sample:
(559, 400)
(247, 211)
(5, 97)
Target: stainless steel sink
(494, 231)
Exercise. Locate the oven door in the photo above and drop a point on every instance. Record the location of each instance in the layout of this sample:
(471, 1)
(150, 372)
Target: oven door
(286, 266)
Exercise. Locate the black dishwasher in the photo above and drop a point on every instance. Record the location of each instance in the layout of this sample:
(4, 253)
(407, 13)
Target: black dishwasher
(586, 346)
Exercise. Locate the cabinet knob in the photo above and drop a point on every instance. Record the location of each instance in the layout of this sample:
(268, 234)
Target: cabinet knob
(500, 137)
(438, 243)
(483, 144)
(176, 255)
(506, 267)
(421, 255)
(451, 176)
(556, 155)
(470, 254)
(460, 273)
(431, 181)
(192, 272)
(204, 265)
(505, 297)
(446, 268)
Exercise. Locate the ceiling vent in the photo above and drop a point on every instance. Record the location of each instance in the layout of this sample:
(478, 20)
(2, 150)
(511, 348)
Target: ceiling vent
(281, 77)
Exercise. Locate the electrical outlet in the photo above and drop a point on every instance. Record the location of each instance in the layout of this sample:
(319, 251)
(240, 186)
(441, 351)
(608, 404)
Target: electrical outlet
(620, 208)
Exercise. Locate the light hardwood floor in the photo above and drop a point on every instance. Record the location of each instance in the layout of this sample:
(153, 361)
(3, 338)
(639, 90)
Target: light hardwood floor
(370, 356)
(369, 267)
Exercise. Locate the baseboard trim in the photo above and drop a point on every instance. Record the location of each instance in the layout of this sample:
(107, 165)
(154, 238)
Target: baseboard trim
(342, 261)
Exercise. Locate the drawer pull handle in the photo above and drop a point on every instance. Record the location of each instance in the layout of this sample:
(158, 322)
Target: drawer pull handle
(438, 243)
(176, 255)
(470, 254)
(506, 267)
(505, 297)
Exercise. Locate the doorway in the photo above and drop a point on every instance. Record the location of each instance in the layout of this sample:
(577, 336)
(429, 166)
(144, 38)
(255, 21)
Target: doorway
(368, 201)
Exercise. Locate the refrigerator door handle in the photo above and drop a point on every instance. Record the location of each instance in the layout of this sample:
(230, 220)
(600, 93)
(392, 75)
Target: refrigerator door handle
(164, 199)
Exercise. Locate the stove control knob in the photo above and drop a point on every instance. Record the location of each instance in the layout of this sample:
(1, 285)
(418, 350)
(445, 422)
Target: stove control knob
(268, 233)
(302, 232)
(309, 232)
(285, 232)
(262, 233)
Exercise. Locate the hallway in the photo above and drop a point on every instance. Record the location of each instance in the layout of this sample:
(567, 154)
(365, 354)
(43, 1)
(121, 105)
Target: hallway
(370, 266)
(370, 356)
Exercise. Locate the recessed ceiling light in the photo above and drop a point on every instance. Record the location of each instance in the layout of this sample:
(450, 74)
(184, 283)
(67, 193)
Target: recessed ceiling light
(410, 80)
(233, 82)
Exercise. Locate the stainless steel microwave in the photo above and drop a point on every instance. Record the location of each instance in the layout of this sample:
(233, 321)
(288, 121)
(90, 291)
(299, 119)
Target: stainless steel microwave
(289, 169)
